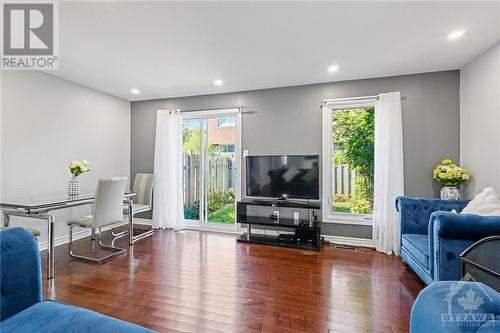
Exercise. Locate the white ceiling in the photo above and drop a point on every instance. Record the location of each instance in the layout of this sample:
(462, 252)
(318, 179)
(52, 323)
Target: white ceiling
(168, 49)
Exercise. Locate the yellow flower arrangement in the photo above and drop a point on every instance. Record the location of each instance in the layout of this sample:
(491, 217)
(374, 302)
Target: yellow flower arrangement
(449, 174)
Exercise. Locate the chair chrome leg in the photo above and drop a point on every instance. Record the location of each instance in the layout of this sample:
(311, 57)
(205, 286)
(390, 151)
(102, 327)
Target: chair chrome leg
(144, 234)
(119, 234)
(116, 250)
(132, 237)
(70, 240)
(6, 220)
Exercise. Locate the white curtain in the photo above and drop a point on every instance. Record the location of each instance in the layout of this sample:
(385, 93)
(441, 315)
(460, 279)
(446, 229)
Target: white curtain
(168, 211)
(389, 177)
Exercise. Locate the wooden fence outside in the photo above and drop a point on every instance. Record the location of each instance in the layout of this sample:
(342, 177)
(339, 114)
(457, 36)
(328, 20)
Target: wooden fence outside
(343, 180)
(220, 175)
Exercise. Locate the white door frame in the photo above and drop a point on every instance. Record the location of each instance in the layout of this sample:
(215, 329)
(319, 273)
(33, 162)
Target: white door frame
(210, 114)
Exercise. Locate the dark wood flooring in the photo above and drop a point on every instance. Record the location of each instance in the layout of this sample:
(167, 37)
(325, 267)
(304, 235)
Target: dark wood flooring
(192, 281)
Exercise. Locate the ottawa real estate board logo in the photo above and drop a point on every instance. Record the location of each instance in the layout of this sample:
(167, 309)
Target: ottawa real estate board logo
(30, 36)
(469, 306)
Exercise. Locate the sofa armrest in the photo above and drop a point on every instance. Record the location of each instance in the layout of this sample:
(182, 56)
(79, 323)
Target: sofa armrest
(20, 272)
(452, 233)
(463, 226)
(414, 213)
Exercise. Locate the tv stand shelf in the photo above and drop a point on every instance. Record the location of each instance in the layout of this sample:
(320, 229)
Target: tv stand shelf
(272, 240)
(306, 234)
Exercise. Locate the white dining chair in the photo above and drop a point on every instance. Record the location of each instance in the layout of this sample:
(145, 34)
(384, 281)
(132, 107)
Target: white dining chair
(142, 202)
(107, 209)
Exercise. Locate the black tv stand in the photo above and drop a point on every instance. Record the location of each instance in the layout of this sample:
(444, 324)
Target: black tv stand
(306, 232)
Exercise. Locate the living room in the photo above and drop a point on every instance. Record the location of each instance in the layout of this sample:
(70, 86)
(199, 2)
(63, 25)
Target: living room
(250, 166)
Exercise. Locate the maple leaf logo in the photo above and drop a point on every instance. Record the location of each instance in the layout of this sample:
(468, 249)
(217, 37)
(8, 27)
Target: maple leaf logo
(471, 301)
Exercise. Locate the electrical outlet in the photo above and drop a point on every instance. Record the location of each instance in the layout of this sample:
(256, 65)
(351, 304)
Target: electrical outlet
(296, 217)
(276, 214)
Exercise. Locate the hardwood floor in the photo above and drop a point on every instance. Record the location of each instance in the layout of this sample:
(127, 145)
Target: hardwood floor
(192, 281)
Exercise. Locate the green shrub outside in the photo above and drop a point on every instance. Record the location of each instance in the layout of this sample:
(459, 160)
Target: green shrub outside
(217, 200)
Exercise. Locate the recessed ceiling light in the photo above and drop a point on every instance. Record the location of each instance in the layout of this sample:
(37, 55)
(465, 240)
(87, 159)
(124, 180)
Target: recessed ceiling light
(218, 83)
(333, 68)
(456, 34)
(134, 91)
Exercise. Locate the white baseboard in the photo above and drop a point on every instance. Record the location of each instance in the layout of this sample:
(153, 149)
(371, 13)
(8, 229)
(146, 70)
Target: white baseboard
(227, 230)
(191, 226)
(85, 233)
(349, 241)
(65, 239)
(333, 239)
(42, 246)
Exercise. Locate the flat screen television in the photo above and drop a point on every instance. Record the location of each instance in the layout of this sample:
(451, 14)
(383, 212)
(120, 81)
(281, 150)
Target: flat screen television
(285, 176)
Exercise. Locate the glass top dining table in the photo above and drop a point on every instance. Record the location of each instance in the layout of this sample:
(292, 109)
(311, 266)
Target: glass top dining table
(49, 202)
(40, 207)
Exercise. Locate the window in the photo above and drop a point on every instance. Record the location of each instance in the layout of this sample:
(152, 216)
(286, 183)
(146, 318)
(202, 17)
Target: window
(348, 161)
(226, 121)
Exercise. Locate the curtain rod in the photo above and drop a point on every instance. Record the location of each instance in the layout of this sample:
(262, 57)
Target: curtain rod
(240, 109)
(325, 101)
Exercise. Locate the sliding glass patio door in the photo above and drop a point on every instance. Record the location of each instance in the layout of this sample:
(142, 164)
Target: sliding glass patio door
(210, 171)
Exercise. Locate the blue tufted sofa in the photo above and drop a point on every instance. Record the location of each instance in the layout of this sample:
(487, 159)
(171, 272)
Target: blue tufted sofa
(22, 308)
(456, 307)
(432, 238)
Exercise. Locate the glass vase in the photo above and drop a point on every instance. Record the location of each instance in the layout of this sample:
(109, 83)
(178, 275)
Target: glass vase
(73, 187)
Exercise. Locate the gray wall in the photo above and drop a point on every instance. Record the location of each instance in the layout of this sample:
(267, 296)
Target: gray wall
(480, 121)
(288, 120)
(47, 122)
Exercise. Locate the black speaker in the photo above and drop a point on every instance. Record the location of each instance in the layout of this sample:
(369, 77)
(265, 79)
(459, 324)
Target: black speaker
(305, 234)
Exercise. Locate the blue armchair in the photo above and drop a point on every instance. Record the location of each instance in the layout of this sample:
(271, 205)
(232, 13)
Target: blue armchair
(432, 238)
(22, 308)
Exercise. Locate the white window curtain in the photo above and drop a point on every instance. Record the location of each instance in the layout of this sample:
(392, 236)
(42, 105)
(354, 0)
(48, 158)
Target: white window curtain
(389, 177)
(168, 211)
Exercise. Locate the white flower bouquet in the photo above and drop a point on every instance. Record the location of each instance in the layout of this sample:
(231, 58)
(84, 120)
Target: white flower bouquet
(78, 167)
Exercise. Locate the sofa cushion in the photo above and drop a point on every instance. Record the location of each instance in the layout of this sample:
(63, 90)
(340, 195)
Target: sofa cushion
(485, 203)
(418, 246)
(50, 316)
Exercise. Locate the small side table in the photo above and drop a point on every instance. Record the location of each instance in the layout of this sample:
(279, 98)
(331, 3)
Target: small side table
(481, 261)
